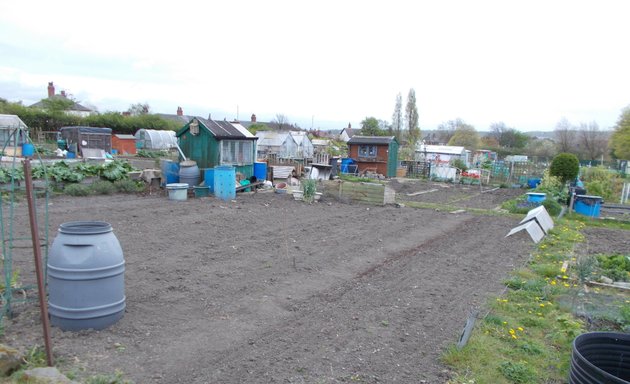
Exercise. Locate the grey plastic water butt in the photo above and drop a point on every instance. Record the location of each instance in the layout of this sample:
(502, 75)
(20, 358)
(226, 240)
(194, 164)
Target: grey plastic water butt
(86, 284)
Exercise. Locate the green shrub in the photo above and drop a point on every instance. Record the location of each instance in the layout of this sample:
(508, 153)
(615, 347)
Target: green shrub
(460, 164)
(77, 190)
(128, 186)
(103, 187)
(566, 166)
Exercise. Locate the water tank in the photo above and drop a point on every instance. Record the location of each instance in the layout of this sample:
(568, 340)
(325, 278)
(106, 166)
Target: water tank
(260, 171)
(600, 357)
(209, 179)
(170, 171)
(225, 182)
(86, 284)
(189, 173)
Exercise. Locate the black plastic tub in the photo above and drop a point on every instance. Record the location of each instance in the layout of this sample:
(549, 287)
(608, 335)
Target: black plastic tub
(600, 357)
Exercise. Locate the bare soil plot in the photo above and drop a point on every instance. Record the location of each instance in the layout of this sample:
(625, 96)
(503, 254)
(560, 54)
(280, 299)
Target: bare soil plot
(457, 195)
(266, 289)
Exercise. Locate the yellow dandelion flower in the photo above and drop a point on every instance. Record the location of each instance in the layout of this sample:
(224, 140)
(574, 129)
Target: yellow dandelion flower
(520, 329)
(553, 282)
(565, 277)
(512, 331)
(567, 285)
(539, 314)
(542, 305)
(514, 337)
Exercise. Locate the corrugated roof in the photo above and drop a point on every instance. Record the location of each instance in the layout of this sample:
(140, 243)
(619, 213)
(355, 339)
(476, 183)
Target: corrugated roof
(223, 129)
(370, 139)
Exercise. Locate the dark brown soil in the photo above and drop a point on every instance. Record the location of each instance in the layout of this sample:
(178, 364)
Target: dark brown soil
(456, 195)
(265, 289)
(606, 241)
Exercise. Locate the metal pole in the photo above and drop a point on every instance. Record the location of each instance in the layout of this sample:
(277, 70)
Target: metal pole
(37, 252)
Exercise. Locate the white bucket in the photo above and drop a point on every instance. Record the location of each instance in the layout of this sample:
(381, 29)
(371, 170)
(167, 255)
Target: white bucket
(177, 191)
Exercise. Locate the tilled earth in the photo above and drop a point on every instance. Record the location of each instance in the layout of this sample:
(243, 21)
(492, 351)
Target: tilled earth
(265, 289)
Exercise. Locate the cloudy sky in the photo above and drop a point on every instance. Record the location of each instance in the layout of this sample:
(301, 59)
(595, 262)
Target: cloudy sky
(326, 63)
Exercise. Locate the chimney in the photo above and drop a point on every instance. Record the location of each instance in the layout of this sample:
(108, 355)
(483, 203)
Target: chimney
(51, 89)
(349, 126)
(180, 111)
(253, 118)
(63, 94)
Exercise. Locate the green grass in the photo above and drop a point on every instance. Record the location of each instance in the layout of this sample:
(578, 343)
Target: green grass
(527, 333)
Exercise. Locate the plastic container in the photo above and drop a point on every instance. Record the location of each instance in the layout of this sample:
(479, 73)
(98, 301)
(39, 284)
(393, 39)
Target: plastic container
(533, 182)
(225, 182)
(600, 357)
(201, 191)
(208, 178)
(170, 171)
(260, 171)
(177, 191)
(587, 205)
(189, 173)
(71, 155)
(535, 197)
(28, 150)
(86, 286)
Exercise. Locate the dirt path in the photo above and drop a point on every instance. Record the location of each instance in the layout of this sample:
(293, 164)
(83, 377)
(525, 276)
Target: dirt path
(270, 290)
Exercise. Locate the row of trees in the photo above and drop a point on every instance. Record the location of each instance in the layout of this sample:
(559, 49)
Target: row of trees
(584, 140)
(404, 127)
(53, 116)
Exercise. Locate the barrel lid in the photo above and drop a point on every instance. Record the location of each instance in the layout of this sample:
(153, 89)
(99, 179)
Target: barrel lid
(188, 163)
(85, 227)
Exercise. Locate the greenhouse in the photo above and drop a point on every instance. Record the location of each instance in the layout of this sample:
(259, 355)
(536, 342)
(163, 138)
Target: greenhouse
(154, 139)
(13, 133)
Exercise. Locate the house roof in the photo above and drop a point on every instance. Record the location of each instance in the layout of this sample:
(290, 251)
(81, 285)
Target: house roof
(74, 107)
(272, 139)
(444, 149)
(349, 132)
(183, 119)
(356, 139)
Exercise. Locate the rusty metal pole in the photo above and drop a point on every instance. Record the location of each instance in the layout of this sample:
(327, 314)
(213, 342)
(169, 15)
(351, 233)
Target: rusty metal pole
(37, 252)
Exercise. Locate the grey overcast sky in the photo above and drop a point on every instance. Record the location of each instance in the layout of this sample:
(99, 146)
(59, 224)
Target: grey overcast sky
(327, 63)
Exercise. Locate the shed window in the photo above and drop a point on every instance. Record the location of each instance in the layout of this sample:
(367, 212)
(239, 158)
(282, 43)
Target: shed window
(367, 151)
(236, 152)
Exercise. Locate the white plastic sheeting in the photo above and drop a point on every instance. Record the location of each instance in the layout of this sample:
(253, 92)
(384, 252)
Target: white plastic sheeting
(155, 139)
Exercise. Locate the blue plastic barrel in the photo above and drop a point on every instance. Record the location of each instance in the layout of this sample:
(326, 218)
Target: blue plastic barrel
(260, 171)
(70, 155)
(170, 171)
(225, 182)
(86, 284)
(533, 183)
(587, 205)
(28, 150)
(534, 197)
(208, 177)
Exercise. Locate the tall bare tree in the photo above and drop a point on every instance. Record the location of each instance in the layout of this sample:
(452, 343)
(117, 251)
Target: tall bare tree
(281, 121)
(564, 133)
(593, 142)
(397, 118)
(447, 129)
(411, 119)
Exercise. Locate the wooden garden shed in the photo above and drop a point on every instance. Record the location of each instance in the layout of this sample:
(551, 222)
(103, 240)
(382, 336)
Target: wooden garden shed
(375, 153)
(124, 144)
(212, 143)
